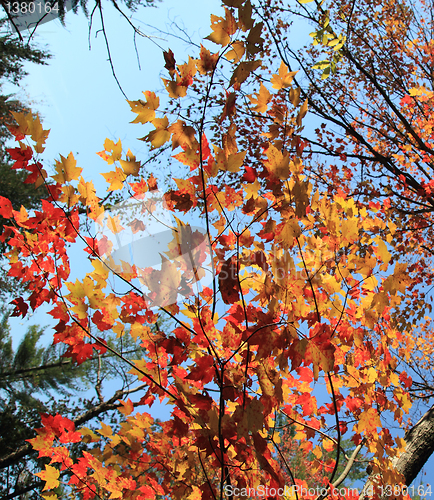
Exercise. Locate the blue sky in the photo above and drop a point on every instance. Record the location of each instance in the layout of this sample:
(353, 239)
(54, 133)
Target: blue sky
(77, 96)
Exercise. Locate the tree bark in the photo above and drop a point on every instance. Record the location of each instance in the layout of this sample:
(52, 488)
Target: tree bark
(420, 446)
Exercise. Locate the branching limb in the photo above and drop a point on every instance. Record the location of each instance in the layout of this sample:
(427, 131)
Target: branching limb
(103, 407)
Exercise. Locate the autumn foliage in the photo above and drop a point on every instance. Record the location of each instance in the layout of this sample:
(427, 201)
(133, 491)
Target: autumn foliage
(298, 320)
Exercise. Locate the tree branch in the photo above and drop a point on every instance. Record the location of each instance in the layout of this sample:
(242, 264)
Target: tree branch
(420, 445)
(85, 417)
(21, 491)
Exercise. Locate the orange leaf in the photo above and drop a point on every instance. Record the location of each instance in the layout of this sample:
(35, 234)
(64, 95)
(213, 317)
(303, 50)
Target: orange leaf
(207, 62)
(127, 407)
(222, 28)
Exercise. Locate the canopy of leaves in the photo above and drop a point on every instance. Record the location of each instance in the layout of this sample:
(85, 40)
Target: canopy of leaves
(312, 286)
(376, 108)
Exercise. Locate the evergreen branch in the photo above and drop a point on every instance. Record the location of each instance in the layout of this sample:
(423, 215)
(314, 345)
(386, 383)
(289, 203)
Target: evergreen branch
(53, 365)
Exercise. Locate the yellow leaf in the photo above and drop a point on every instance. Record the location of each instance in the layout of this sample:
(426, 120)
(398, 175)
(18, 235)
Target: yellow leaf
(417, 91)
(174, 87)
(196, 494)
(29, 125)
(163, 284)
(24, 121)
(401, 444)
(87, 190)
(369, 420)
(139, 331)
(50, 496)
(284, 79)
(265, 382)
(371, 375)
(350, 230)
(398, 281)
(160, 135)
(127, 407)
(190, 157)
(207, 61)
(302, 113)
(145, 110)
(182, 135)
(142, 420)
(38, 134)
(66, 169)
(130, 166)
(89, 198)
(237, 51)
(50, 476)
(68, 195)
(296, 166)
(231, 162)
(379, 302)
(328, 445)
(115, 178)
(40, 180)
(287, 231)
(88, 435)
(294, 96)
(105, 430)
(252, 189)
(382, 251)
(321, 359)
(277, 163)
(301, 197)
(114, 149)
(187, 71)
(113, 223)
(43, 440)
(261, 100)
